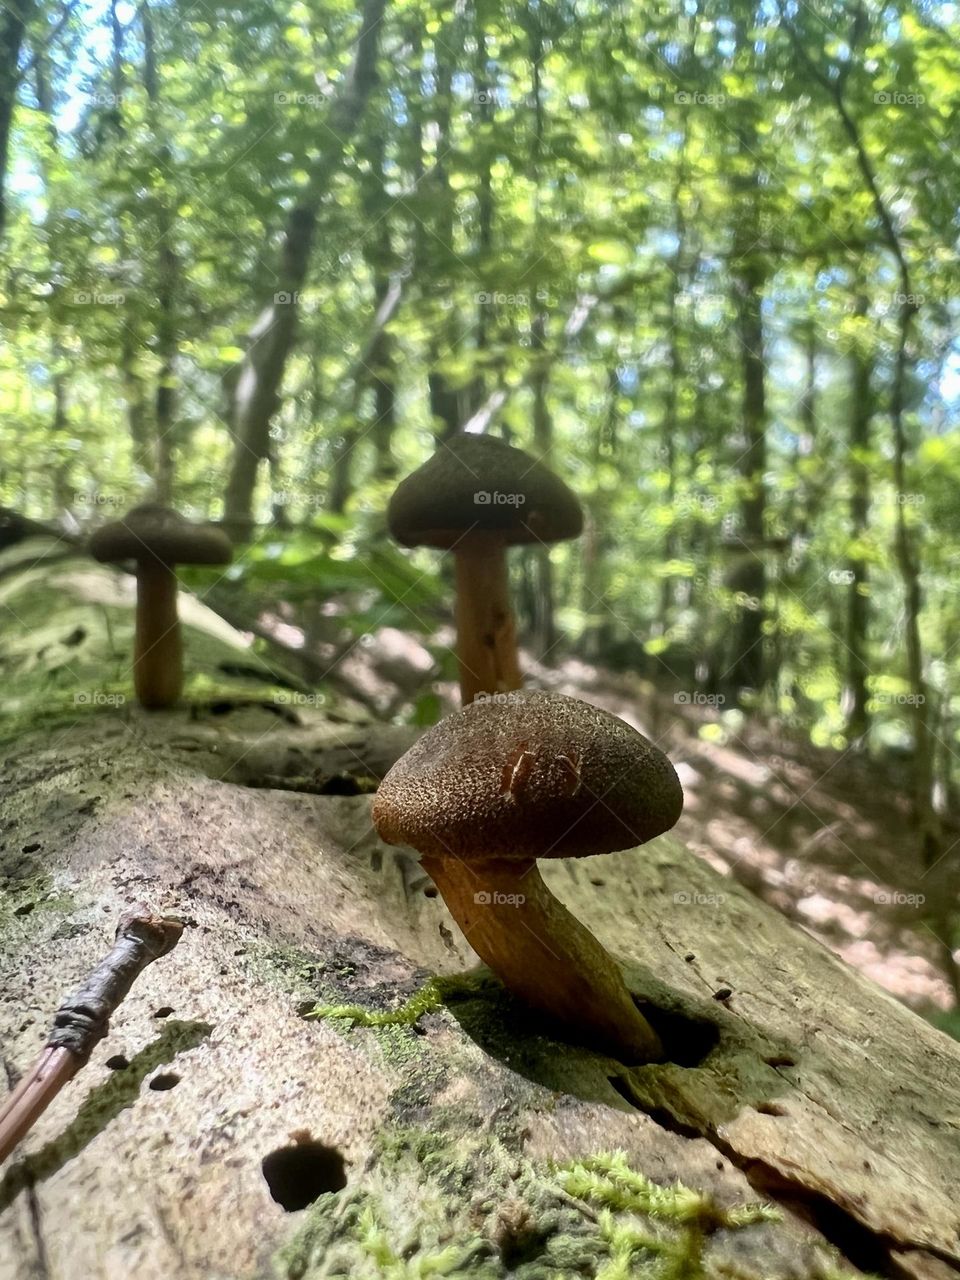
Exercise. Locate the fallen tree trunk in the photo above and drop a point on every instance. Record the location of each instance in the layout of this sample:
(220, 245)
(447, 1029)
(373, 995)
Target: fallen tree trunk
(219, 1132)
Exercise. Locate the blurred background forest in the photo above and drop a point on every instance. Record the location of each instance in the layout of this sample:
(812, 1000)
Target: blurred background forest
(701, 257)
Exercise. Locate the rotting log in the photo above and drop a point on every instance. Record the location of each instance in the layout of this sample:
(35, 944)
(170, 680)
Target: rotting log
(427, 1144)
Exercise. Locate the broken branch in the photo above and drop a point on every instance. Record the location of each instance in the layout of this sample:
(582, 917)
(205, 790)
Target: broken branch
(83, 1019)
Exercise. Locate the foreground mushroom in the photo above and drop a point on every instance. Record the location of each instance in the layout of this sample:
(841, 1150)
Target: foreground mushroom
(158, 539)
(492, 788)
(475, 497)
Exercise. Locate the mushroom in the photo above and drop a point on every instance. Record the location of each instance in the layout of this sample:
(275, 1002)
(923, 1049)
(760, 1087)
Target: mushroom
(503, 782)
(475, 497)
(157, 539)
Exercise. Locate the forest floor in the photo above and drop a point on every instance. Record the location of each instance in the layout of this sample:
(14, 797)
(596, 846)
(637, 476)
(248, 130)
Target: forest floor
(823, 835)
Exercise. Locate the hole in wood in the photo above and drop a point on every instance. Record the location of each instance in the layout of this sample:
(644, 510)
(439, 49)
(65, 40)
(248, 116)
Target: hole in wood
(686, 1041)
(298, 1174)
(165, 1080)
(770, 1109)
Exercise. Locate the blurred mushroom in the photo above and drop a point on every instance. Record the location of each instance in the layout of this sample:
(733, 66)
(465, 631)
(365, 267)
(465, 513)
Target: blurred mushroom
(495, 786)
(158, 539)
(475, 497)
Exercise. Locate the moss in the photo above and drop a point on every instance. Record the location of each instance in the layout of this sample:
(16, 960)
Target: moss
(607, 1180)
(430, 997)
(435, 1204)
(23, 905)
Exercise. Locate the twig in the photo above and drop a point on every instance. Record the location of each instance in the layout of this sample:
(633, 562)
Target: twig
(83, 1020)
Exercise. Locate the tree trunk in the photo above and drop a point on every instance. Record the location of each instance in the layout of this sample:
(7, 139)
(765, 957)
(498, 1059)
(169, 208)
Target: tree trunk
(858, 606)
(167, 269)
(14, 17)
(62, 488)
(746, 668)
(670, 425)
(544, 630)
(381, 362)
(257, 382)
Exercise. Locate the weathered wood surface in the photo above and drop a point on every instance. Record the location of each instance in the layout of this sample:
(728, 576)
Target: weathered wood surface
(804, 1084)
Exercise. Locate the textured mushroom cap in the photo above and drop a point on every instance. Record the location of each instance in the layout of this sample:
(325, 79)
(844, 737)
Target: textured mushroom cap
(479, 483)
(528, 775)
(152, 532)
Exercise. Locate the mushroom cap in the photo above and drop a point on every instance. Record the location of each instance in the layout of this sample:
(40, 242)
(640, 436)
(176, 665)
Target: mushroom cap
(155, 533)
(528, 775)
(480, 484)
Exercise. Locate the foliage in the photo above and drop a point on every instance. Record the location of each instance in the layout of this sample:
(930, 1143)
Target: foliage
(579, 205)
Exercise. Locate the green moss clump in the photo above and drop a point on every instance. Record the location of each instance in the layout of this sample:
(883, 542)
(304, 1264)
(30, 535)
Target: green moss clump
(470, 1208)
(608, 1181)
(431, 996)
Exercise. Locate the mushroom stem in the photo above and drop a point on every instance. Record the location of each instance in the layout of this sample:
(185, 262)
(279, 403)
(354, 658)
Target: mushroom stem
(544, 955)
(486, 638)
(158, 647)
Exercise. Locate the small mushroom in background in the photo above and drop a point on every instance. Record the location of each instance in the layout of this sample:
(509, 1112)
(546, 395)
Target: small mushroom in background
(158, 539)
(495, 786)
(475, 497)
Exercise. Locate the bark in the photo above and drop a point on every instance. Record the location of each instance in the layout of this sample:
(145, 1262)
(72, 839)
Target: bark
(485, 202)
(544, 627)
(258, 380)
(14, 18)
(381, 362)
(746, 667)
(60, 425)
(167, 269)
(670, 425)
(858, 605)
(341, 472)
(436, 247)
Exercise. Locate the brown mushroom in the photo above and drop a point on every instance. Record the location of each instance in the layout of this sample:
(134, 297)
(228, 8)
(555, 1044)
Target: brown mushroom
(475, 497)
(503, 782)
(158, 539)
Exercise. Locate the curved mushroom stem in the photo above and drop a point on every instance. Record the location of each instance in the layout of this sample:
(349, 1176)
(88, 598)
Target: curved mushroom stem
(158, 648)
(486, 638)
(544, 954)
